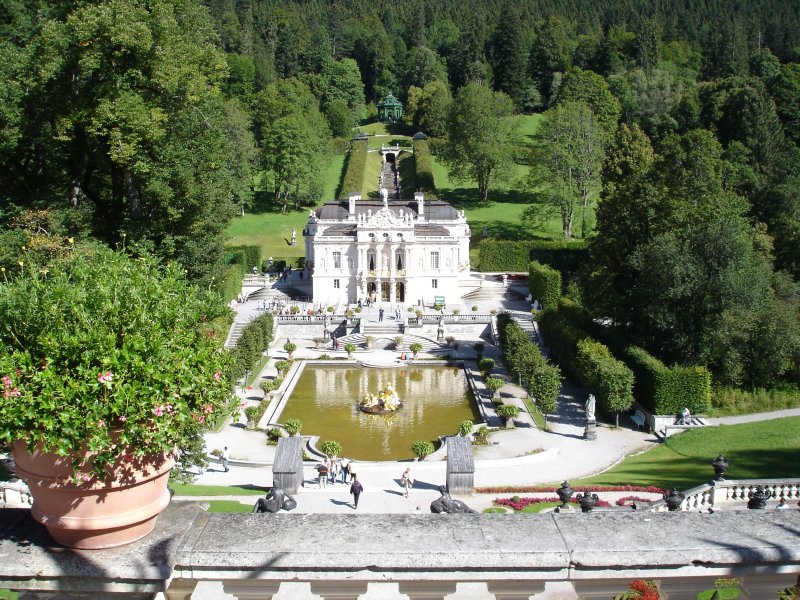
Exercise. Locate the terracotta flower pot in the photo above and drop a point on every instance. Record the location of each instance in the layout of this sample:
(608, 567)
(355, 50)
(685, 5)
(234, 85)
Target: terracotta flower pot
(95, 514)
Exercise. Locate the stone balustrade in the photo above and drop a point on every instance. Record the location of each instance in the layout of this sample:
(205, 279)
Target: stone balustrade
(15, 494)
(718, 493)
(411, 556)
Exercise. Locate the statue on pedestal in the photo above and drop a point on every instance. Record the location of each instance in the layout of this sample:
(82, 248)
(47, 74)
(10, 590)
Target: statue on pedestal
(590, 406)
(440, 330)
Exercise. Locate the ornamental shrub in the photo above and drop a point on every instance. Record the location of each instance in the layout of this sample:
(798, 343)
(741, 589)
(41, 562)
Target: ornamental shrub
(331, 448)
(544, 283)
(293, 426)
(504, 255)
(421, 449)
(604, 375)
(508, 411)
(96, 342)
(465, 427)
(486, 365)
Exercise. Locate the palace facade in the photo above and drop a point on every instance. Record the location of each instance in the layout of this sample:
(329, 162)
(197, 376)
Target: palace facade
(395, 251)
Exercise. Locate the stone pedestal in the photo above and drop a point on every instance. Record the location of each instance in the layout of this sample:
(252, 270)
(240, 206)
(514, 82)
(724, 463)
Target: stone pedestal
(460, 466)
(287, 470)
(590, 433)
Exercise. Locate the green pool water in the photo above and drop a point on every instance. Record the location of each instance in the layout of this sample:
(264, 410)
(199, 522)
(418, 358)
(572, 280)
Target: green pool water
(435, 400)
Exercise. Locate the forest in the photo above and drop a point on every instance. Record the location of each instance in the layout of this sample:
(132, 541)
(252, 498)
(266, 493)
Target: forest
(152, 123)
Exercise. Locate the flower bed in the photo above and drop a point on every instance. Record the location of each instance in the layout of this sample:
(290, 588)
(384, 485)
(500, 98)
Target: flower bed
(519, 503)
(538, 489)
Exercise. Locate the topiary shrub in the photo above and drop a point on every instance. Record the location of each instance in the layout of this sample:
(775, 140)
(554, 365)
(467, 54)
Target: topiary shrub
(331, 448)
(416, 347)
(273, 435)
(293, 426)
(465, 427)
(486, 365)
(421, 449)
(493, 384)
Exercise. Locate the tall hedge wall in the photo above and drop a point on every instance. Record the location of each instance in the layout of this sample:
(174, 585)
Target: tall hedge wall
(424, 167)
(356, 164)
(240, 259)
(660, 389)
(255, 338)
(503, 255)
(544, 283)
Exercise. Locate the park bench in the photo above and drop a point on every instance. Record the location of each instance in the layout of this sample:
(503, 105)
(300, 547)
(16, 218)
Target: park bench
(639, 419)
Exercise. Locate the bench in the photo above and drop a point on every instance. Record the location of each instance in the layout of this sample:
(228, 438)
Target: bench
(639, 419)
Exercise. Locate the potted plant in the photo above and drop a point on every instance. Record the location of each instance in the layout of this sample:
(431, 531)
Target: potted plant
(349, 348)
(282, 366)
(398, 342)
(421, 449)
(293, 426)
(486, 365)
(456, 312)
(252, 414)
(331, 448)
(290, 347)
(350, 314)
(419, 314)
(368, 341)
(474, 308)
(107, 375)
(294, 309)
(509, 413)
(493, 384)
(415, 348)
(465, 427)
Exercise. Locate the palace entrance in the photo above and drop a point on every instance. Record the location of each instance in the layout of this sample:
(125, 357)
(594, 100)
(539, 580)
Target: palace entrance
(400, 291)
(385, 291)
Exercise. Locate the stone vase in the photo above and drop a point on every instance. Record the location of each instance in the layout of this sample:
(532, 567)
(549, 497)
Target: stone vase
(95, 514)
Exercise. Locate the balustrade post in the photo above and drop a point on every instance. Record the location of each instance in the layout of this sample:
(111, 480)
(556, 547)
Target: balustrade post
(252, 589)
(514, 590)
(427, 590)
(339, 590)
(180, 589)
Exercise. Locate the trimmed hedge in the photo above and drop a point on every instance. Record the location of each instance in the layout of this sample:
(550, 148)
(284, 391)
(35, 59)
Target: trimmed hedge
(254, 340)
(606, 376)
(245, 257)
(667, 391)
(660, 389)
(544, 283)
(503, 255)
(356, 164)
(424, 167)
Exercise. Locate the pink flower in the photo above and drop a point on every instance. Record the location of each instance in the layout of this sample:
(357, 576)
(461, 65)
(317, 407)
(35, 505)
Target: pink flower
(101, 423)
(159, 410)
(7, 381)
(169, 407)
(208, 408)
(123, 418)
(105, 377)
(86, 478)
(8, 393)
(201, 419)
(217, 375)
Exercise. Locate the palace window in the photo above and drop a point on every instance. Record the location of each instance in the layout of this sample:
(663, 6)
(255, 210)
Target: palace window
(434, 283)
(337, 260)
(399, 259)
(336, 284)
(434, 260)
(371, 260)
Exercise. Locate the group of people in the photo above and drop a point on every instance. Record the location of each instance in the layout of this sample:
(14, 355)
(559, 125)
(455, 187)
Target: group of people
(331, 469)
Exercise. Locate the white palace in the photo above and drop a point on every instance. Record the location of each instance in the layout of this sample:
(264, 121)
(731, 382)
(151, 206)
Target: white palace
(395, 251)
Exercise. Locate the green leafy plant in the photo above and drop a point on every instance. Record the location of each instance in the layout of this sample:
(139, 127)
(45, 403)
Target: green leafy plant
(419, 314)
(486, 365)
(398, 342)
(493, 384)
(290, 347)
(253, 415)
(350, 313)
(273, 435)
(293, 426)
(331, 448)
(456, 311)
(474, 308)
(282, 366)
(349, 348)
(357, 309)
(421, 449)
(112, 348)
(268, 385)
(465, 427)
(508, 411)
(482, 436)
(330, 309)
(294, 309)
(416, 347)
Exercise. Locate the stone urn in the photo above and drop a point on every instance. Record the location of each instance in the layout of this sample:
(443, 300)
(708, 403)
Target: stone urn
(674, 500)
(758, 498)
(564, 494)
(587, 501)
(720, 465)
(93, 513)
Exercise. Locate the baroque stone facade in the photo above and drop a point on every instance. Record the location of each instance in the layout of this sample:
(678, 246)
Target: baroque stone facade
(390, 251)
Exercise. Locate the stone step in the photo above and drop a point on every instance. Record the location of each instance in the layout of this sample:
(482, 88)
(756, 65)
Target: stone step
(428, 345)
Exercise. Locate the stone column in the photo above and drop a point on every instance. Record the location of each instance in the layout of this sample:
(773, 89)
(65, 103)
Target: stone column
(427, 590)
(339, 590)
(252, 589)
(180, 589)
(514, 590)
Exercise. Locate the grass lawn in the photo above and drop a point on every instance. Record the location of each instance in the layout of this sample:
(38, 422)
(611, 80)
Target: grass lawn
(272, 231)
(372, 175)
(538, 418)
(767, 449)
(192, 489)
(333, 176)
(228, 506)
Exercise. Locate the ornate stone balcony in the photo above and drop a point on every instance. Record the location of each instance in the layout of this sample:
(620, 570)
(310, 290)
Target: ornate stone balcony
(418, 556)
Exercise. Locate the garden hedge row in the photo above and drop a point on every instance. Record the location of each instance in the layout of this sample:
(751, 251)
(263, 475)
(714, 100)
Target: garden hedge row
(660, 389)
(503, 255)
(251, 344)
(356, 164)
(607, 377)
(240, 259)
(523, 358)
(424, 167)
(544, 283)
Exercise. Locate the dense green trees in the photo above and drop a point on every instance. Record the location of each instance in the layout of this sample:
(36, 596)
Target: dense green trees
(482, 136)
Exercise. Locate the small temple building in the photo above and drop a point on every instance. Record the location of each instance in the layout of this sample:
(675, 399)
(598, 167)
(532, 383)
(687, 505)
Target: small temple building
(390, 109)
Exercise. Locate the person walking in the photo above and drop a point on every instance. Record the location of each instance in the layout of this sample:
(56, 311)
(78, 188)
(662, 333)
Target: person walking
(336, 468)
(407, 481)
(355, 489)
(345, 468)
(380, 315)
(322, 470)
(226, 456)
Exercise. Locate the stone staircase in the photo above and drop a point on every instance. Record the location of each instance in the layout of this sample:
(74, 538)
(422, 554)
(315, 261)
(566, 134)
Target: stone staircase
(669, 430)
(381, 328)
(528, 326)
(494, 292)
(381, 340)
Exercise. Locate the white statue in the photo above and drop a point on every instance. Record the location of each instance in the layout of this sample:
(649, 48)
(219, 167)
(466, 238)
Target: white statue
(385, 197)
(590, 402)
